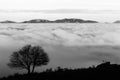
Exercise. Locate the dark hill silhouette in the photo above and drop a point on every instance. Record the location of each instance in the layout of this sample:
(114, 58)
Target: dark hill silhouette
(66, 20)
(90, 21)
(37, 21)
(118, 21)
(102, 71)
(69, 20)
(7, 21)
(73, 20)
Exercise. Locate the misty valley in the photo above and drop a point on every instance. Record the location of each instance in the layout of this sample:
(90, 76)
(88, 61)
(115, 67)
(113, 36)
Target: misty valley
(69, 45)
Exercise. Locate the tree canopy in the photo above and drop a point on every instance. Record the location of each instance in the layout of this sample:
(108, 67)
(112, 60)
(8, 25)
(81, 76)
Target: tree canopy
(28, 57)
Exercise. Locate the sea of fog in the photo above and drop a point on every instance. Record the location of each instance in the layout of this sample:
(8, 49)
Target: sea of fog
(68, 45)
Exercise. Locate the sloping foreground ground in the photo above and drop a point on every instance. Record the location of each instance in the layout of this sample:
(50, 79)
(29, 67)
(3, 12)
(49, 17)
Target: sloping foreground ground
(102, 71)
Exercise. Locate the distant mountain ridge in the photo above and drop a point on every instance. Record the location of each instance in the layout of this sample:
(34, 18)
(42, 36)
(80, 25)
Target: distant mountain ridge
(71, 20)
(37, 21)
(7, 21)
(118, 21)
(65, 20)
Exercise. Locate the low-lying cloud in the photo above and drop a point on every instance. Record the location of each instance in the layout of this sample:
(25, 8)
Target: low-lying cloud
(67, 44)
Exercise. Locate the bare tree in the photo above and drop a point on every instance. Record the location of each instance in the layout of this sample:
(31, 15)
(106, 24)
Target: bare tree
(28, 58)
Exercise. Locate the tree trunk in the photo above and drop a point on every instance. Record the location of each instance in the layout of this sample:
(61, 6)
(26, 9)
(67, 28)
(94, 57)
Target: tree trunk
(28, 71)
(33, 68)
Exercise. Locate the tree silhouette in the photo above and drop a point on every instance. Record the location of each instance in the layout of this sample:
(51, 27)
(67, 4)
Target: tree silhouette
(28, 58)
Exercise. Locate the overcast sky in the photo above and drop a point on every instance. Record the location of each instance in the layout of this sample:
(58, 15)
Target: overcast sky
(59, 4)
(20, 10)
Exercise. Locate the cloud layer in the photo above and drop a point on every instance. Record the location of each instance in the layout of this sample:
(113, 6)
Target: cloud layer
(66, 34)
(68, 45)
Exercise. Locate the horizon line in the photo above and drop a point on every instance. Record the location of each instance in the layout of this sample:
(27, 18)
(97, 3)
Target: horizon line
(56, 19)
